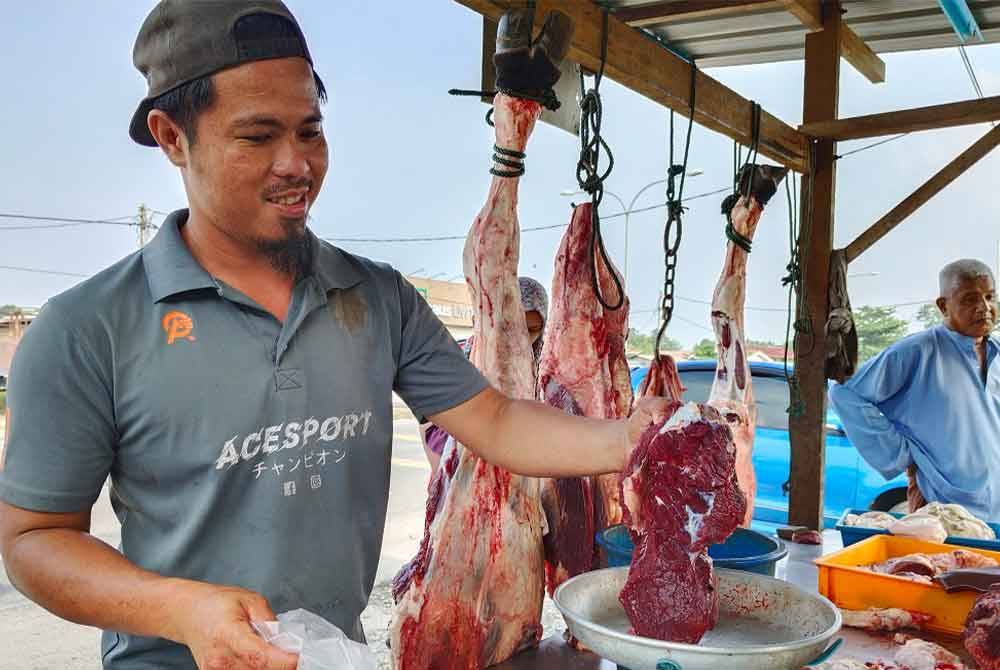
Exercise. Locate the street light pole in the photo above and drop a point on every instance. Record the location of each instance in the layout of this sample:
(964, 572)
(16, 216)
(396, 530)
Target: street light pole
(628, 211)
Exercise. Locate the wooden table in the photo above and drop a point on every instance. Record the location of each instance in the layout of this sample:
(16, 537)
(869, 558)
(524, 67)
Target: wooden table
(797, 568)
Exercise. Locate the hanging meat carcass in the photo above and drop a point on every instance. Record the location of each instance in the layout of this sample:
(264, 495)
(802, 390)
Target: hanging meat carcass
(732, 390)
(583, 371)
(472, 597)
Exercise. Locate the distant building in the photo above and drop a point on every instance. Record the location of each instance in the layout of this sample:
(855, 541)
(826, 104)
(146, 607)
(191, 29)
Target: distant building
(11, 329)
(450, 301)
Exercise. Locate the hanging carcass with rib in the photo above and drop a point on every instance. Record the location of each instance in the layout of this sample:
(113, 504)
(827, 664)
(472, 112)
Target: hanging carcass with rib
(732, 389)
(472, 597)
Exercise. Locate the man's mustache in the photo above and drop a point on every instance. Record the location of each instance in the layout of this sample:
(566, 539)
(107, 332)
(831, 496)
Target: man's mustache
(275, 189)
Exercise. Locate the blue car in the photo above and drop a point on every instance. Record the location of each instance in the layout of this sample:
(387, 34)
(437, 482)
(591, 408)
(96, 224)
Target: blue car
(850, 481)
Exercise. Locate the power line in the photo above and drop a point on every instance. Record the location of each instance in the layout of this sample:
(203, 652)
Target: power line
(445, 238)
(40, 271)
(871, 146)
(120, 221)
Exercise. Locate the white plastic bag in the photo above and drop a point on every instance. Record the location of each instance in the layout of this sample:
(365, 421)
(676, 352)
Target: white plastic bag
(921, 526)
(319, 644)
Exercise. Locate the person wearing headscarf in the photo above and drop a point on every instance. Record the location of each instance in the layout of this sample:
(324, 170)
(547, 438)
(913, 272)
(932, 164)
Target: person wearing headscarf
(535, 302)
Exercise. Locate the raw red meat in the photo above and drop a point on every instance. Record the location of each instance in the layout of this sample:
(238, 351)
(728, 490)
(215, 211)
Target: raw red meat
(662, 380)
(982, 631)
(472, 597)
(583, 371)
(681, 495)
(807, 537)
(732, 391)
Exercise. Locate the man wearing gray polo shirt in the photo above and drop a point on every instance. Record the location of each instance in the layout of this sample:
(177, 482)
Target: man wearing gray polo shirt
(233, 379)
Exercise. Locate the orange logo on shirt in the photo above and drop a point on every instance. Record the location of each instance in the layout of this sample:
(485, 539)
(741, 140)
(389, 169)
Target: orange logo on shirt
(178, 325)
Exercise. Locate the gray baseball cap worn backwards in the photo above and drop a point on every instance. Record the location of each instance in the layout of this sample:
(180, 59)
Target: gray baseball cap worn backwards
(184, 40)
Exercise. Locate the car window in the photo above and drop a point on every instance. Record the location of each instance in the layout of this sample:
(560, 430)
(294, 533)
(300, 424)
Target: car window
(697, 384)
(771, 394)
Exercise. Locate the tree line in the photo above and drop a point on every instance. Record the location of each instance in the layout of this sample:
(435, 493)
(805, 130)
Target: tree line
(878, 328)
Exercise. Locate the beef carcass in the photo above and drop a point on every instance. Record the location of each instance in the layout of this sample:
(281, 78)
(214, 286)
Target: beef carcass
(583, 371)
(732, 390)
(982, 631)
(472, 597)
(680, 495)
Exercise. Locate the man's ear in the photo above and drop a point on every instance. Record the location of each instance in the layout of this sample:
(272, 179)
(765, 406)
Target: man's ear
(169, 136)
(942, 305)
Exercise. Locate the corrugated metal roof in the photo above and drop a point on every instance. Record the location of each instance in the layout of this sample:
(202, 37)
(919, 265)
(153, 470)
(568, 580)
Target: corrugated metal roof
(769, 33)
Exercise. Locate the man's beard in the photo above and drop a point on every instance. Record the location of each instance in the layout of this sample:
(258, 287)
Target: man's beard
(292, 255)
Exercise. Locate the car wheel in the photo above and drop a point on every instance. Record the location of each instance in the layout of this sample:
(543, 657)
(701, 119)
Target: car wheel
(886, 501)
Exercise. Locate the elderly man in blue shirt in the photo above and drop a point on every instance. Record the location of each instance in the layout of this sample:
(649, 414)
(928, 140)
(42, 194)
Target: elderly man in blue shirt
(930, 404)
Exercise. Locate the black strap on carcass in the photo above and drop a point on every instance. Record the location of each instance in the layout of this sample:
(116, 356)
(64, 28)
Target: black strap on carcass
(743, 180)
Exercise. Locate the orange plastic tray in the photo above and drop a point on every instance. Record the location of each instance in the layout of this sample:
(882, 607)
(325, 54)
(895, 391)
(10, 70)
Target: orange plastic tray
(849, 585)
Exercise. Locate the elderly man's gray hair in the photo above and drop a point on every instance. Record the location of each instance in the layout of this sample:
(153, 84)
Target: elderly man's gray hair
(967, 269)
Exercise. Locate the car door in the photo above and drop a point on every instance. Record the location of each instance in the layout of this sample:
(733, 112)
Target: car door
(772, 456)
(771, 450)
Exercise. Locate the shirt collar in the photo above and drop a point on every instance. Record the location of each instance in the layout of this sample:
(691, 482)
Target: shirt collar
(171, 269)
(967, 343)
(332, 267)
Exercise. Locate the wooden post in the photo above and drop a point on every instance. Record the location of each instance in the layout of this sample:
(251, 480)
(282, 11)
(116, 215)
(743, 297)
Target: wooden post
(808, 435)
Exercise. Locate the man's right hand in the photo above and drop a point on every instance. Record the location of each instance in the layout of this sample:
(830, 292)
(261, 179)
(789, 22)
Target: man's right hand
(214, 623)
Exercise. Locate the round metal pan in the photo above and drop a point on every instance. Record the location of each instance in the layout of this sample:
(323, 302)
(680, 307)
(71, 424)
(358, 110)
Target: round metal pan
(764, 624)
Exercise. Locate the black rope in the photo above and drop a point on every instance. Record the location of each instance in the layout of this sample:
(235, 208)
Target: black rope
(547, 99)
(793, 280)
(674, 228)
(516, 165)
(743, 181)
(590, 177)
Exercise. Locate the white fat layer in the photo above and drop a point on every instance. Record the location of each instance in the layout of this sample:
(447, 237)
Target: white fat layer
(685, 414)
(697, 519)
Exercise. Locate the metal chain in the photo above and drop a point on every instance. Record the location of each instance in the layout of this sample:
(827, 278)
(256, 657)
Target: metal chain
(589, 175)
(674, 227)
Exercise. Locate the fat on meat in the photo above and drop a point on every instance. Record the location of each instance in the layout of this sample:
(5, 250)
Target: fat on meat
(472, 597)
(583, 371)
(732, 389)
(680, 496)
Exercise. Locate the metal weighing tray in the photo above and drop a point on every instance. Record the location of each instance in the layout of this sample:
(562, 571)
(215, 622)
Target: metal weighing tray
(764, 624)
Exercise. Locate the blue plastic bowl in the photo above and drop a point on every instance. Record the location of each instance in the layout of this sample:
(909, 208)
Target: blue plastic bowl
(745, 550)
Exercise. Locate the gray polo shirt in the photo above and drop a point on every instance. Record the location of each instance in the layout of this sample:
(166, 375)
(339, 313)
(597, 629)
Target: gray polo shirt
(241, 450)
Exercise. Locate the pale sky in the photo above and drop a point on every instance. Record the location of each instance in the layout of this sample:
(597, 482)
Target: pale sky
(409, 160)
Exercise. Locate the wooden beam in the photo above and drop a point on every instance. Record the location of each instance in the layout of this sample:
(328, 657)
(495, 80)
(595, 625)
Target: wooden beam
(852, 47)
(659, 13)
(808, 12)
(808, 435)
(860, 55)
(644, 66)
(927, 190)
(951, 114)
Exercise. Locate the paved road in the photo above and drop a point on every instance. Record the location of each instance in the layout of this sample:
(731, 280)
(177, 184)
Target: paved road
(31, 638)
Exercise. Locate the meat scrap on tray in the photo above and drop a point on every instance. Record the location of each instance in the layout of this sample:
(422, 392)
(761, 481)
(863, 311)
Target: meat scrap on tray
(924, 567)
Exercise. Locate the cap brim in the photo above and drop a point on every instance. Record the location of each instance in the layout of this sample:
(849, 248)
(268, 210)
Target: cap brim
(138, 130)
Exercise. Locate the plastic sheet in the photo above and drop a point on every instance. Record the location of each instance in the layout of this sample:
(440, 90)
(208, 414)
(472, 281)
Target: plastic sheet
(319, 644)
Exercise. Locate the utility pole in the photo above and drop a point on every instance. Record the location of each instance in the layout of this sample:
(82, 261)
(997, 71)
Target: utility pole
(144, 224)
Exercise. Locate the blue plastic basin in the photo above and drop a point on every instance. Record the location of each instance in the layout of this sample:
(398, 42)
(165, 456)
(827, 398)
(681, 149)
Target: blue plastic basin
(745, 550)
